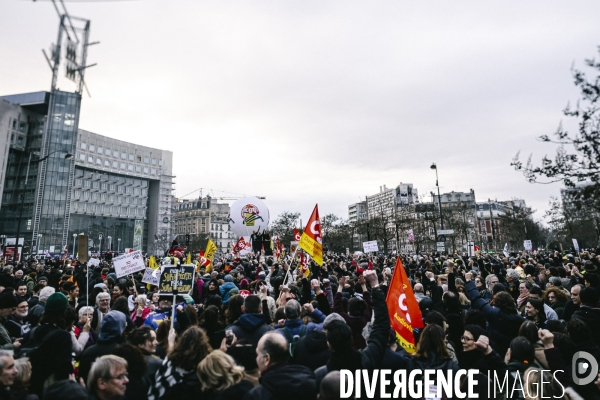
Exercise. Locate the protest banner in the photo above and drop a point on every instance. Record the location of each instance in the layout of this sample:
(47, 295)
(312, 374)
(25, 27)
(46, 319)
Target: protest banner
(93, 262)
(129, 263)
(180, 276)
(370, 247)
(151, 276)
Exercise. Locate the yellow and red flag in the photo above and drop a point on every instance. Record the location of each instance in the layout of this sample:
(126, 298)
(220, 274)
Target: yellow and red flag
(403, 308)
(304, 265)
(311, 240)
(296, 235)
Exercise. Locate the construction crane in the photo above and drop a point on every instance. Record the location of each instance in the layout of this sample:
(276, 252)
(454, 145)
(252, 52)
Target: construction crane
(241, 196)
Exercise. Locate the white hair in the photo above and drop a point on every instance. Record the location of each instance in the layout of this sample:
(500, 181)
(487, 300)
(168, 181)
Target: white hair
(46, 292)
(82, 310)
(100, 295)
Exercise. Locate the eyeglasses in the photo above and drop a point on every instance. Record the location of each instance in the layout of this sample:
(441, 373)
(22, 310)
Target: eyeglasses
(466, 339)
(120, 377)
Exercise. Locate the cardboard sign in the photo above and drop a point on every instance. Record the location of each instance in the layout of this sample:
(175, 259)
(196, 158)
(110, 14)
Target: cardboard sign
(527, 245)
(82, 248)
(129, 263)
(93, 262)
(370, 247)
(575, 245)
(180, 276)
(151, 276)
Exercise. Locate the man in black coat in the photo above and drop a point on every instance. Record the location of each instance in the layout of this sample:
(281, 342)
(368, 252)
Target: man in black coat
(589, 312)
(312, 350)
(278, 380)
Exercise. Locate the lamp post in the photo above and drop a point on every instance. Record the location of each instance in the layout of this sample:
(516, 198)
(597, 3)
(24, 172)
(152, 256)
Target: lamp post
(118, 245)
(100, 238)
(74, 237)
(39, 240)
(433, 166)
(109, 243)
(68, 156)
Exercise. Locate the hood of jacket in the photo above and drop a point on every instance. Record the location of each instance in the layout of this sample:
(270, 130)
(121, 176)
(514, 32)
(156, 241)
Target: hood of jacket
(251, 322)
(316, 341)
(113, 326)
(290, 382)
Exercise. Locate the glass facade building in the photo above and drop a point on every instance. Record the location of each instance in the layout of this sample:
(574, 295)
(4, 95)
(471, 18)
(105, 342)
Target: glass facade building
(109, 188)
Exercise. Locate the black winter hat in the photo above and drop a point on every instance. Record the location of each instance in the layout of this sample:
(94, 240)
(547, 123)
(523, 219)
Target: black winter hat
(7, 300)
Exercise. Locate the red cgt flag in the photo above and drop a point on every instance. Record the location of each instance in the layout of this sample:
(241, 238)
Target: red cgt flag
(311, 240)
(403, 308)
(296, 235)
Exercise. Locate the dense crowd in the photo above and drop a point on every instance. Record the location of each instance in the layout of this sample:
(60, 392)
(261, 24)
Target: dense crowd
(255, 328)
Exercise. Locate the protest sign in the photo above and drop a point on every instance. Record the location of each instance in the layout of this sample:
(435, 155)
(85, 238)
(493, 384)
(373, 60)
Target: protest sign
(180, 276)
(94, 262)
(151, 276)
(129, 263)
(370, 247)
(527, 245)
(575, 245)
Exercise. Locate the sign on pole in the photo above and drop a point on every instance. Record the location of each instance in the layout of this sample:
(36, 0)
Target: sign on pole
(471, 248)
(180, 276)
(347, 251)
(93, 262)
(576, 245)
(527, 244)
(371, 246)
(82, 248)
(151, 276)
(129, 263)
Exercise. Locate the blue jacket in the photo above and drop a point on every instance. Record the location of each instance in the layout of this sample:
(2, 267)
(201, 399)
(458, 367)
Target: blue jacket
(294, 326)
(224, 289)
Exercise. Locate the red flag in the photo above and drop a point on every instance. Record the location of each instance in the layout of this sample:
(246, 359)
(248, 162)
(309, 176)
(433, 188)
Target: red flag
(403, 308)
(476, 247)
(296, 235)
(311, 239)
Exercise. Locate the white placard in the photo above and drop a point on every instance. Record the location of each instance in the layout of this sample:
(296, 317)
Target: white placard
(371, 246)
(51, 249)
(527, 244)
(445, 232)
(151, 276)
(575, 245)
(129, 263)
(93, 262)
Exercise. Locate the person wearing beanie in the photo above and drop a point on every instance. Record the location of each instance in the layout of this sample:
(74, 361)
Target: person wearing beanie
(52, 359)
(7, 303)
(16, 323)
(110, 336)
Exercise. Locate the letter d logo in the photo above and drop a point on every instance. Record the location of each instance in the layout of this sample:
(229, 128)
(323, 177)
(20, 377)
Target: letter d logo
(584, 364)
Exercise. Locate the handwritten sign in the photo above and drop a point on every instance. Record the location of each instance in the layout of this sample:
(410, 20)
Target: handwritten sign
(151, 276)
(93, 262)
(370, 247)
(528, 245)
(180, 276)
(129, 263)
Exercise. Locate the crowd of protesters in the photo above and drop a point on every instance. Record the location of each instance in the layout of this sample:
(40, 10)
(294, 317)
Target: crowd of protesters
(255, 327)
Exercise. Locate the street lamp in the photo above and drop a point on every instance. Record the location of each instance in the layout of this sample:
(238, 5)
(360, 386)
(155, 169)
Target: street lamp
(100, 238)
(68, 156)
(39, 239)
(109, 243)
(74, 237)
(433, 166)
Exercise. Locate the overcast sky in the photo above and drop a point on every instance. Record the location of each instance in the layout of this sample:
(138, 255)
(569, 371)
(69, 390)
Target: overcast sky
(310, 102)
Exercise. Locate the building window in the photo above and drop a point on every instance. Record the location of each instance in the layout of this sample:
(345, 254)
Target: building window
(131, 157)
(92, 147)
(138, 168)
(115, 164)
(146, 160)
(82, 157)
(104, 186)
(87, 184)
(122, 165)
(84, 146)
(77, 194)
(106, 163)
(103, 197)
(154, 161)
(115, 154)
(146, 170)
(86, 195)
(153, 171)
(99, 161)
(91, 160)
(129, 167)
(107, 152)
(124, 156)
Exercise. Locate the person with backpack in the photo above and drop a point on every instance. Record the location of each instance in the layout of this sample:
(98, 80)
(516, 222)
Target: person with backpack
(293, 328)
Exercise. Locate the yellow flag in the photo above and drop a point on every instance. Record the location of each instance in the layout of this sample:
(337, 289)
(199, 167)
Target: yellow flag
(188, 260)
(211, 249)
(152, 263)
(311, 239)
